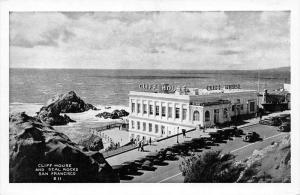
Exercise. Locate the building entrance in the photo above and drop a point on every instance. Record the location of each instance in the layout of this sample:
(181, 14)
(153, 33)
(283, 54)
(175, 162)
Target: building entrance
(216, 116)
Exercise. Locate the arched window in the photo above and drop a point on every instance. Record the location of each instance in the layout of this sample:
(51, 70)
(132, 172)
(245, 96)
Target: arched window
(196, 116)
(225, 113)
(207, 116)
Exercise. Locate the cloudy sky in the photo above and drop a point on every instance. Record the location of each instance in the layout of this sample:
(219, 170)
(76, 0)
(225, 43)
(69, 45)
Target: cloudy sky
(150, 40)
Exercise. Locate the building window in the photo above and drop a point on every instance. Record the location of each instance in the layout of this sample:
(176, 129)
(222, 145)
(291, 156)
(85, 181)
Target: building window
(156, 128)
(242, 107)
(145, 108)
(156, 110)
(132, 124)
(225, 113)
(238, 100)
(233, 108)
(162, 129)
(138, 124)
(144, 126)
(207, 116)
(196, 116)
(151, 109)
(184, 111)
(132, 107)
(150, 127)
(163, 111)
(252, 106)
(138, 108)
(170, 112)
(177, 113)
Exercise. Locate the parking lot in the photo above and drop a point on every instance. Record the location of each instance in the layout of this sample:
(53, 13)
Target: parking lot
(171, 173)
(168, 171)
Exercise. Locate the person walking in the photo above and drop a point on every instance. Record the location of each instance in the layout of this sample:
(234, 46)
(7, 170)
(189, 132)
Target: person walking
(260, 116)
(150, 141)
(183, 133)
(140, 146)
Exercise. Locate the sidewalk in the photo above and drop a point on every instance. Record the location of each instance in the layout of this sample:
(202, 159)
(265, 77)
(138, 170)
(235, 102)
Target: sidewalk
(156, 146)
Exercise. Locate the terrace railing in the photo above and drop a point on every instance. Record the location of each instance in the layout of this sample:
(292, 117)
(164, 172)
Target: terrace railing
(119, 150)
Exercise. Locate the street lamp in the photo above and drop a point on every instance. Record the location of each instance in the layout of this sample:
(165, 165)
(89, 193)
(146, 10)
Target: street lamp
(177, 134)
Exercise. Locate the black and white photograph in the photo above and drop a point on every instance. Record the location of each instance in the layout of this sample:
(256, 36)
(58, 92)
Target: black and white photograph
(150, 96)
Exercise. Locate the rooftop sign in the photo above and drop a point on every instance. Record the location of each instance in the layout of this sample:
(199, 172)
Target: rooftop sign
(218, 87)
(163, 88)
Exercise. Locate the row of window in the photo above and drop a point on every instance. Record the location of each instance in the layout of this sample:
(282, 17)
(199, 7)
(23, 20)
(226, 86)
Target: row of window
(157, 111)
(241, 106)
(196, 114)
(151, 127)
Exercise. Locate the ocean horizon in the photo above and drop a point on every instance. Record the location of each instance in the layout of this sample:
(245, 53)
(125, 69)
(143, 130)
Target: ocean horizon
(111, 86)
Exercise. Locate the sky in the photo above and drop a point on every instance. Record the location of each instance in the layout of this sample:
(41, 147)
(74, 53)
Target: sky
(150, 40)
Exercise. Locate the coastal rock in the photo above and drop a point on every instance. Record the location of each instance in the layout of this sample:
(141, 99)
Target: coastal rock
(116, 114)
(33, 145)
(69, 103)
(64, 103)
(93, 143)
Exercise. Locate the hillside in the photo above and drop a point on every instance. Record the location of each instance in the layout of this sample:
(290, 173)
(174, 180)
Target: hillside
(270, 165)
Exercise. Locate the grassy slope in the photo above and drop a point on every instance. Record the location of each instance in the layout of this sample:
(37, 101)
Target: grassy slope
(273, 163)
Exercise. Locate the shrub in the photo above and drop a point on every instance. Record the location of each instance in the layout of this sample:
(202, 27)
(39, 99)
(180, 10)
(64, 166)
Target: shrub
(211, 167)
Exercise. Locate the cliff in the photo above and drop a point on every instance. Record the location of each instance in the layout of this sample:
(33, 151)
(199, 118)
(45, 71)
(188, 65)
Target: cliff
(34, 146)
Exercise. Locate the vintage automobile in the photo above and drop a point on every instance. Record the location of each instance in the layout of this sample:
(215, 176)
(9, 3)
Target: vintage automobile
(272, 121)
(216, 136)
(130, 166)
(251, 137)
(285, 127)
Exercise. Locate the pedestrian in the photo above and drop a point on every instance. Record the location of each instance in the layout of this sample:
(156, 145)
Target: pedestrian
(150, 141)
(140, 146)
(260, 116)
(183, 133)
(142, 149)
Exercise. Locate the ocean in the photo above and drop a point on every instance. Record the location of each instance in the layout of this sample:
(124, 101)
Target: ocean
(111, 87)
(30, 89)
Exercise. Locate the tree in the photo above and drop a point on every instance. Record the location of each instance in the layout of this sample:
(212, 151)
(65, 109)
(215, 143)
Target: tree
(211, 167)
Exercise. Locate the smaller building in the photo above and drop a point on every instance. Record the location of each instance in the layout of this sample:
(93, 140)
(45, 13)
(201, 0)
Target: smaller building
(277, 100)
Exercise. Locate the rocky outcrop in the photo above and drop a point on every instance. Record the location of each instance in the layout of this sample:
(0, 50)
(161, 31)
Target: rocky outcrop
(93, 143)
(65, 103)
(271, 164)
(114, 115)
(35, 147)
(69, 103)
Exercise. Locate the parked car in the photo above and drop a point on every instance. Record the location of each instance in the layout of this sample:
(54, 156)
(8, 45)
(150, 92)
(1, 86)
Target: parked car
(170, 155)
(198, 142)
(147, 165)
(121, 170)
(285, 127)
(237, 132)
(131, 166)
(272, 121)
(228, 132)
(251, 137)
(216, 136)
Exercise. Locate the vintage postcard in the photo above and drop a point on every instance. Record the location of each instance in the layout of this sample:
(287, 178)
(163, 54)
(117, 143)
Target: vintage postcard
(150, 96)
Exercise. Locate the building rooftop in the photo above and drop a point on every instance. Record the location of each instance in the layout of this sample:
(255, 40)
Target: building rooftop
(218, 102)
(185, 93)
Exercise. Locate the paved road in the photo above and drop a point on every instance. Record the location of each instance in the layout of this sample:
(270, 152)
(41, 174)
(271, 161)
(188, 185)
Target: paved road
(171, 174)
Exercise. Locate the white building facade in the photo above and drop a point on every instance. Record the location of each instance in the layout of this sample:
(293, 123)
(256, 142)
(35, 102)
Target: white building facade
(158, 115)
